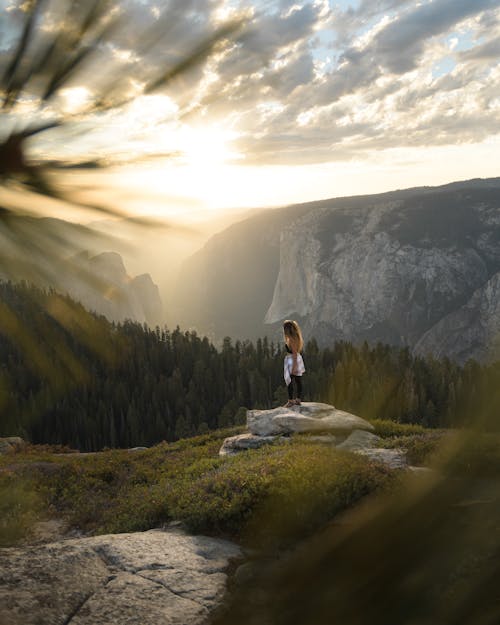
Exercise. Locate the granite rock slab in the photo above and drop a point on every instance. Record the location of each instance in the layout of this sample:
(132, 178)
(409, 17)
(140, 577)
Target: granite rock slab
(308, 417)
(158, 576)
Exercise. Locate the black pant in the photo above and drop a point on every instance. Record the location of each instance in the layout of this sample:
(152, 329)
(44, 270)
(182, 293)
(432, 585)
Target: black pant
(298, 383)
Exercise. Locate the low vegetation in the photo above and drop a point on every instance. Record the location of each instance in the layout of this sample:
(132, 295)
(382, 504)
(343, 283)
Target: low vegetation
(21, 506)
(290, 485)
(287, 491)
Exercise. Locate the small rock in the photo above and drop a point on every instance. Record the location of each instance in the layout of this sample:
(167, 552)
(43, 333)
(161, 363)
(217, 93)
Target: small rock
(421, 470)
(359, 439)
(393, 458)
(11, 443)
(235, 444)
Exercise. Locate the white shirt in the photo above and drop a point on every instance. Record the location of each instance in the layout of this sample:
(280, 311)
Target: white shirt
(288, 367)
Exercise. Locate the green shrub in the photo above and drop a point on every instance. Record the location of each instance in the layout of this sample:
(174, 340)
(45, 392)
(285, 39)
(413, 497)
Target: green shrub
(274, 494)
(386, 428)
(279, 491)
(312, 485)
(220, 499)
(119, 491)
(420, 448)
(20, 507)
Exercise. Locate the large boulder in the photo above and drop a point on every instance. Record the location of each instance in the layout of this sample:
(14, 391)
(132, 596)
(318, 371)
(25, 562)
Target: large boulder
(340, 429)
(308, 417)
(159, 576)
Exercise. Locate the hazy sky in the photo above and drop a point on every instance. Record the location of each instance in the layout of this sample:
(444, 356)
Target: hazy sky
(315, 99)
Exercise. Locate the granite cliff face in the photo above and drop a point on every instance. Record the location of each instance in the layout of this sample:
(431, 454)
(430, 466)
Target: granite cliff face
(417, 267)
(471, 331)
(387, 271)
(225, 289)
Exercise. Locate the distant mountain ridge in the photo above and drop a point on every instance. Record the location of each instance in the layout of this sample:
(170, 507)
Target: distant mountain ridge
(102, 284)
(42, 251)
(406, 267)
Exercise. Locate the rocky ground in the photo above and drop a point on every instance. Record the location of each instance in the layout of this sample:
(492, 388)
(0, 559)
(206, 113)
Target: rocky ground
(144, 578)
(160, 576)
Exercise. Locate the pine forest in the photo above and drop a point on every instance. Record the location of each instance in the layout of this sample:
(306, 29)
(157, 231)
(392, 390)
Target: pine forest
(72, 378)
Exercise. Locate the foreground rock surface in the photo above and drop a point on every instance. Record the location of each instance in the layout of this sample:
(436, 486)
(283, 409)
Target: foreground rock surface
(149, 578)
(308, 417)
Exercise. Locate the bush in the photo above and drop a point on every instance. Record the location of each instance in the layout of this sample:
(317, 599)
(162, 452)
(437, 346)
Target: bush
(274, 494)
(270, 495)
(386, 428)
(20, 507)
(310, 489)
(420, 448)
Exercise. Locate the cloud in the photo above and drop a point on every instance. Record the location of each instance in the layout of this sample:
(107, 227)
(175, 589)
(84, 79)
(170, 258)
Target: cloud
(353, 20)
(271, 38)
(397, 47)
(309, 83)
(489, 50)
(380, 91)
(400, 44)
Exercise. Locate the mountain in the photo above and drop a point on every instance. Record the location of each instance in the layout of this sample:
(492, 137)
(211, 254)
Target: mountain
(409, 267)
(227, 286)
(472, 329)
(102, 284)
(48, 253)
(160, 246)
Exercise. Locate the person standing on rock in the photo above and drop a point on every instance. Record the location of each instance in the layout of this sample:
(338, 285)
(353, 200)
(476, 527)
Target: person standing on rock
(294, 364)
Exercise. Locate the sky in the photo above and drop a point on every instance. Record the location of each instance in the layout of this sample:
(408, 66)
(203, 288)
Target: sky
(309, 100)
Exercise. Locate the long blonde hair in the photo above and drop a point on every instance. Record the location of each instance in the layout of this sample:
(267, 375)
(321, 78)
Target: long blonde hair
(293, 335)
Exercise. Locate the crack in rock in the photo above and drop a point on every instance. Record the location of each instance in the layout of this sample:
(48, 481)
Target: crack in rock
(89, 596)
(176, 593)
(113, 563)
(77, 609)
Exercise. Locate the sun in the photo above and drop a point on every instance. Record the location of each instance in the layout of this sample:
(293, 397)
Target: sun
(206, 146)
(198, 174)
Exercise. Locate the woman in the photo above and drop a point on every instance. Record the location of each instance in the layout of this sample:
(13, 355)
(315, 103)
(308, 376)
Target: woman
(294, 365)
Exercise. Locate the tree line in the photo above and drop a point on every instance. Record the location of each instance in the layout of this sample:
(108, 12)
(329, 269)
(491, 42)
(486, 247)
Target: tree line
(68, 376)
